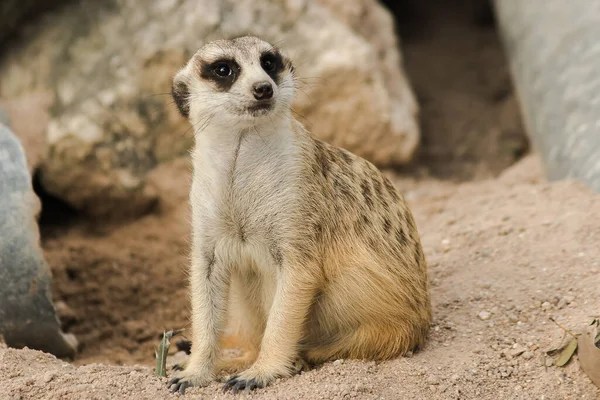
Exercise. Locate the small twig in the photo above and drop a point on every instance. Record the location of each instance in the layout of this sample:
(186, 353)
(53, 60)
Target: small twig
(563, 338)
(563, 328)
(163, 350)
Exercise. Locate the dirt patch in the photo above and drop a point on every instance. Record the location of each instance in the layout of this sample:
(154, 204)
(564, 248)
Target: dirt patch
(504, 255)
(505, 252)
(122, 287)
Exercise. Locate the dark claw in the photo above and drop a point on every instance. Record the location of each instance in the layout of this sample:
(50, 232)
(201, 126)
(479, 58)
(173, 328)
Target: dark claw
(236, 384)
(172, 382)
(252, 384)
(240, 385)
(230, 383)
(182, 386)
(177, 367)
(179, 385)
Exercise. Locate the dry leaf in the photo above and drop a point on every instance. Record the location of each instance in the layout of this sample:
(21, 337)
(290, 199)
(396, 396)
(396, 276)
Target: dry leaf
(589, 355)
(565, 355)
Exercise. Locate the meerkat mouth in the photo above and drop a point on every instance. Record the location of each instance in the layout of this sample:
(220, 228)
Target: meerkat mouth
(259, 108)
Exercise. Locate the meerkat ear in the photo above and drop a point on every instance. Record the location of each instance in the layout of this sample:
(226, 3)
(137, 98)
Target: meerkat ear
(181, 93)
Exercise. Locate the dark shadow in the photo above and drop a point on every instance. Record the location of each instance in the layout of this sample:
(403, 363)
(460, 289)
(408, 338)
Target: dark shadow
(470, 122)
(56, 216)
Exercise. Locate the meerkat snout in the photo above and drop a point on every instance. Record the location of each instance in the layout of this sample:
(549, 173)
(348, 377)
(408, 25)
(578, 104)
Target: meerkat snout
(263, 91)
(239, 81)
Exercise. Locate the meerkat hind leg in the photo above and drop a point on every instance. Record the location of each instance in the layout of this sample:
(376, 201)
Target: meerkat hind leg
(228, 364)
(395, 329)
(283, 332)
(225, 363)
(246, 322)
(301, 365)
(364, 343)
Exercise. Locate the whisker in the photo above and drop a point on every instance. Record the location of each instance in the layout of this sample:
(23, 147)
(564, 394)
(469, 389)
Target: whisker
(204, 126)
(302, 116)
(306, 94)
(276, 44)
(259, 135)
(192, 126)
(311, 81)
(157, 94)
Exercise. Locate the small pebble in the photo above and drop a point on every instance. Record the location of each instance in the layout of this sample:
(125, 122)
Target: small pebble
(564, 301)
(484, 315)
(48, 377)
(528, 355)
(517, 350)
(338, 362)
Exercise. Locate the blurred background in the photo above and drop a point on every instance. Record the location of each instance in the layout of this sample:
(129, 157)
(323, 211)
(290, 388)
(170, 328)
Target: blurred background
(423, 89)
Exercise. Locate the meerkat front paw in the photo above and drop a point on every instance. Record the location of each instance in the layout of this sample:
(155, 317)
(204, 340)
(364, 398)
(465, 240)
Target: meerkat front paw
(256, 378)
(188, 378)
(250, 379)
(237, 383)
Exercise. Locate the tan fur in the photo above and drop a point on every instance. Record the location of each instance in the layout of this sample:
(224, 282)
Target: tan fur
(301, 250)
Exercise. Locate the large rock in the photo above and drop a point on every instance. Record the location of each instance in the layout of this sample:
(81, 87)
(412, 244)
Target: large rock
(110, 64)
(27, 316)
(552, 48)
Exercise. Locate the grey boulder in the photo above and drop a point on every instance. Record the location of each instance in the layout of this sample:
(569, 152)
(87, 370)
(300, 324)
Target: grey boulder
(27, 315)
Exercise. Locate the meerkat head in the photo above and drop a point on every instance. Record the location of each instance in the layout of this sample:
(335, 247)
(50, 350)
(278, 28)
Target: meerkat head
(239, 81)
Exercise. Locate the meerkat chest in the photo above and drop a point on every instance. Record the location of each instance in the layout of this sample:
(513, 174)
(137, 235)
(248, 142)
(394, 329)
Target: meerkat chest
(245, 193)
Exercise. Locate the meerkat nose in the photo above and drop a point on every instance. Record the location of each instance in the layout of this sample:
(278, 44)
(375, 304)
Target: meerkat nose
(263, 91)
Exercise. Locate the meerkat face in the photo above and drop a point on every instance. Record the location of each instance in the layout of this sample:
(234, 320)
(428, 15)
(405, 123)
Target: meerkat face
(233, 82)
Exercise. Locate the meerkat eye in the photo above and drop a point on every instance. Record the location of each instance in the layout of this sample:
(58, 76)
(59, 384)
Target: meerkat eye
(269, 63)
(222, 70)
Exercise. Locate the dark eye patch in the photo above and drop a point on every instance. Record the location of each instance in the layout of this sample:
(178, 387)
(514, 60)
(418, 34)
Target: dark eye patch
(272, 63)
(223, 72)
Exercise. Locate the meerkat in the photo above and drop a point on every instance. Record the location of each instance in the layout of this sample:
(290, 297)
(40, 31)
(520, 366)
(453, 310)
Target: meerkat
(304, 250)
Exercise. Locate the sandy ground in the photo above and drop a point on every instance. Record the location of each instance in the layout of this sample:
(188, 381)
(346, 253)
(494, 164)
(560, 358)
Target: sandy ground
(506, 251)
(504, 256)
